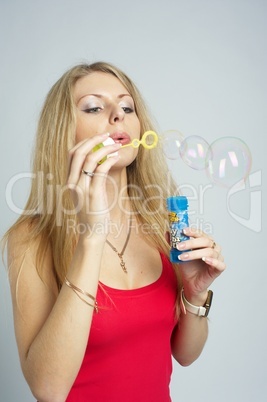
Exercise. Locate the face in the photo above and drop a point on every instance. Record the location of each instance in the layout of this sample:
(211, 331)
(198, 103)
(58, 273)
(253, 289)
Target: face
(105, 106)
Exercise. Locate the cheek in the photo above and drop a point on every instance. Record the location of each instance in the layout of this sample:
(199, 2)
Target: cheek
(81, 132)
(84, 130)
(137, 128)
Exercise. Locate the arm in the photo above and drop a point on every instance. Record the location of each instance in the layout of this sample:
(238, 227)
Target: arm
(189, 336)
(204, 265)
(52, 327)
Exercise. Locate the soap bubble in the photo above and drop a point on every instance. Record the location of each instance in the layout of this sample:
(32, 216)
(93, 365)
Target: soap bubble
(193, 151)
(171, 142)
(228, 161)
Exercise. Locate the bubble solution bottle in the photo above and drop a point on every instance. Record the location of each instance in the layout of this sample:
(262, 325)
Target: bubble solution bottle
(178, 220)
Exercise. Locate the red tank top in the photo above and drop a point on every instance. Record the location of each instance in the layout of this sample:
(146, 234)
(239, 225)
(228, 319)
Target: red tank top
(128, 356)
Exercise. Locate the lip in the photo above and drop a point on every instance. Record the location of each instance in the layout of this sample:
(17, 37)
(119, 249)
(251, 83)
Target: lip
(121, 137)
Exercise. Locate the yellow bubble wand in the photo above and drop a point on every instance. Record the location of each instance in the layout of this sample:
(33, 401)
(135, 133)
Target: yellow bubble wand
(149, 140)
(145, 141)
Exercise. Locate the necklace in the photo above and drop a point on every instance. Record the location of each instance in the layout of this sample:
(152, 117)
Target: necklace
(120, 254)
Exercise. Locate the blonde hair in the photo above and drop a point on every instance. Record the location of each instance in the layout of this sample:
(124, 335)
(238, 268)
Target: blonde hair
(55, 136)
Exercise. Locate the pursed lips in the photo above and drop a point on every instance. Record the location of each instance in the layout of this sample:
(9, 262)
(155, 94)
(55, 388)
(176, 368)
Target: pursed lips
(121, 137)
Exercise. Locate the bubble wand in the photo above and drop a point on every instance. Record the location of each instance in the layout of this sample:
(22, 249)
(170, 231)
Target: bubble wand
(135, 143)
(148, 134)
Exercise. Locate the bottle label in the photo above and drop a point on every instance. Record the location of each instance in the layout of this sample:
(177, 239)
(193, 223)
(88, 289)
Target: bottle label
(178, 221)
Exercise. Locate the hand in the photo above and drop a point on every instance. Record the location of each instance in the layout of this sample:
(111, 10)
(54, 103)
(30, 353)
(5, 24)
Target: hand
(89, 192)
(204, 264)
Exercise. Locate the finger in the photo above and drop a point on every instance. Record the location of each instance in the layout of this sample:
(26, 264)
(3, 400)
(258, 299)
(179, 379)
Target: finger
(198, 254)
(192, 232)
(215, 263)
(83, 148)
(97, 158)
(87, 145)
(91, 184)
(89, 142)
(83, 158)
(197, 243)
(101, 173)
(95, 193)
(194, 249)
(209, 257)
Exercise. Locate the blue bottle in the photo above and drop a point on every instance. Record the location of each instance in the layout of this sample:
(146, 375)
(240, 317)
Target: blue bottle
(178, 220)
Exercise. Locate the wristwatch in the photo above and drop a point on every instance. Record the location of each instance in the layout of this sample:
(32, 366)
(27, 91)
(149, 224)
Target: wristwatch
(201, 311)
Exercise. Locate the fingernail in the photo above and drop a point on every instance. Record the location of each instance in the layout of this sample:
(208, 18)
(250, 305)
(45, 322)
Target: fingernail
(105, 135)
(181, 246)
(185, 230)
(112, 155)
(183, 256)
(206, 259)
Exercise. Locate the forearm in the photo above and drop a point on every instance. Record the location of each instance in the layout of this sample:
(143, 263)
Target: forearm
(55, 356)
(189, 336)
(204, 264)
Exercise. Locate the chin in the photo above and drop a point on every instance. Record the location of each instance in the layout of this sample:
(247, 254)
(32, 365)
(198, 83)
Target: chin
(125, 160)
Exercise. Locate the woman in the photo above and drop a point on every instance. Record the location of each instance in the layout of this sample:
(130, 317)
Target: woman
(96, 301)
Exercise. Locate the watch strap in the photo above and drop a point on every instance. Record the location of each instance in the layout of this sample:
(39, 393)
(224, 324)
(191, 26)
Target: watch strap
(201, 311)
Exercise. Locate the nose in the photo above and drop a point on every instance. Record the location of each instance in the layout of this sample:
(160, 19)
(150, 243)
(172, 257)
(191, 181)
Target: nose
(117, 114)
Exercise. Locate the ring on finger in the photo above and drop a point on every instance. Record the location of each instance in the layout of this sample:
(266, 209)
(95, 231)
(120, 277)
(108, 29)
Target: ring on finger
(213, 244)
(90, 174)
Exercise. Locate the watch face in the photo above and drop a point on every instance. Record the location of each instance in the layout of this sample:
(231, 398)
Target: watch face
(208, 302)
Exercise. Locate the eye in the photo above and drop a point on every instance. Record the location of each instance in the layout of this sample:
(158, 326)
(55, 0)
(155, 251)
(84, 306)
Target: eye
(127, 109)
(92, 110)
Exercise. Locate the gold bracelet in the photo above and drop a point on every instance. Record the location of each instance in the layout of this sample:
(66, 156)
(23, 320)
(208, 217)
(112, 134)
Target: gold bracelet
(77, 290)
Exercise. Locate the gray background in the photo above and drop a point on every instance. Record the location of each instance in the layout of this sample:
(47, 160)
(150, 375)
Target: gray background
(201, 66)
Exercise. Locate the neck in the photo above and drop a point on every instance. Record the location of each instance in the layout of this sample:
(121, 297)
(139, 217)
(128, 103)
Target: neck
(117, 193)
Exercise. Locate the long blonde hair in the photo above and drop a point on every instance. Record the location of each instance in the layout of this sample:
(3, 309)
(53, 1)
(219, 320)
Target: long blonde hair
(148, 175)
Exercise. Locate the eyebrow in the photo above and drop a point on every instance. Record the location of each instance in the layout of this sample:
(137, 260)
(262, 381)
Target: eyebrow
(103, 96)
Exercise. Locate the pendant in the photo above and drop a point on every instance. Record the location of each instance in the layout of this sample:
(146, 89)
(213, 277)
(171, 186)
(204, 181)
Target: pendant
(122, 263)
